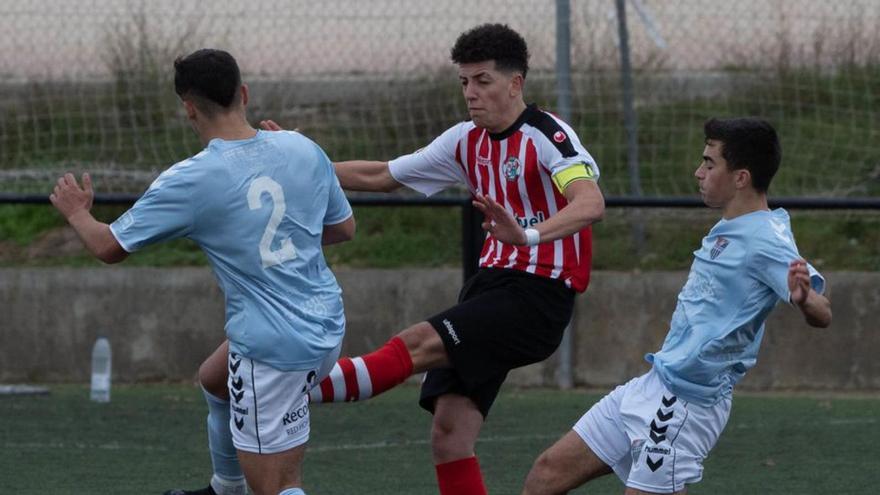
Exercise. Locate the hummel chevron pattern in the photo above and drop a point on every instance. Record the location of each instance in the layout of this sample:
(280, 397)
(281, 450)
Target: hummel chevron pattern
(663, 417)
(654, 465)
(237, 386)
(233, 367)
(658, 433)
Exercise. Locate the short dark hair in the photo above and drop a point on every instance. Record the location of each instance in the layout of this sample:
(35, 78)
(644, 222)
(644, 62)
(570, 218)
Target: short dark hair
(209, 77)
(748, 143)
(496, 42)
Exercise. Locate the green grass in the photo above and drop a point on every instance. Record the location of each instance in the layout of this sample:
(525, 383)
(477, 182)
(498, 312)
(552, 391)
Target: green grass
(151, 437)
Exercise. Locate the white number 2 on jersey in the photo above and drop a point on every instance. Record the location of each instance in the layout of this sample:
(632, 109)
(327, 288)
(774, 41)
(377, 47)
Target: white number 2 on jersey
(287, 252)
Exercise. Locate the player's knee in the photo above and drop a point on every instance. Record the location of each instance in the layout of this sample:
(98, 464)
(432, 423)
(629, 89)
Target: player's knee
(425, 346)
(213, 381)
(447, 444)
(539, 481)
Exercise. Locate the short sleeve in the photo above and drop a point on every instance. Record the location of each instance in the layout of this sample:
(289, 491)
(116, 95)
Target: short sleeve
(338, 207)
(771, 258)
(163, 213)
(432, 168)
(562, 154)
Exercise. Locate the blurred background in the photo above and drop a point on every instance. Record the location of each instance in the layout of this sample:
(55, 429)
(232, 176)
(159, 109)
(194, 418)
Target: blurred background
(86, 86)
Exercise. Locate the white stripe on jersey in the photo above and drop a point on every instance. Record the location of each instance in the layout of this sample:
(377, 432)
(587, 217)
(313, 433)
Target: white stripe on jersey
(524, 199)
(511, 260)
(551, 210)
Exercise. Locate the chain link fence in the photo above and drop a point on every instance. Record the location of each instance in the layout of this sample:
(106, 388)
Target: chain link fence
(86, 84)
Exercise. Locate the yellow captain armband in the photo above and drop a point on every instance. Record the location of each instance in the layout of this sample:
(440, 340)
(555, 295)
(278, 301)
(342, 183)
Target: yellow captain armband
(578, 171)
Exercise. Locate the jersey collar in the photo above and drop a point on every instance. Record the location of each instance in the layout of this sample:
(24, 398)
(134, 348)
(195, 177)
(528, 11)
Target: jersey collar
(530, 110)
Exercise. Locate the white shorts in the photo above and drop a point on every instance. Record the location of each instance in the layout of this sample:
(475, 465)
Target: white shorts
(653, 441)
(269, 408)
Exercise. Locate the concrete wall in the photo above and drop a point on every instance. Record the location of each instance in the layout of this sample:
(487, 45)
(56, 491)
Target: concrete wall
(163, 322)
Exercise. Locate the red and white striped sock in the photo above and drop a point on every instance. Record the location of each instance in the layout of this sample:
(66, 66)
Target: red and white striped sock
(460, 477)
(363, 377)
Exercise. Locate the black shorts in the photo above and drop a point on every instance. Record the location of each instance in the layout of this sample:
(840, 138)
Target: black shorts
(504, 319)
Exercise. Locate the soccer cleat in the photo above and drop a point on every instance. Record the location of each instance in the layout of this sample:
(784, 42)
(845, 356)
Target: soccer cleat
(204, 491)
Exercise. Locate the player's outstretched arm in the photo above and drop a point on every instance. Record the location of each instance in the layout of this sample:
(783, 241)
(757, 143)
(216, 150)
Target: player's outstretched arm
(355, 175)
(74, 202)
(815, 307)
(363, 175)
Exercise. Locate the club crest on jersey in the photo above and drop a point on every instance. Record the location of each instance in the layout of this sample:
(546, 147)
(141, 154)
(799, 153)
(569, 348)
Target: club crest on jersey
(511, 168)
(559, 136)
(719, 246)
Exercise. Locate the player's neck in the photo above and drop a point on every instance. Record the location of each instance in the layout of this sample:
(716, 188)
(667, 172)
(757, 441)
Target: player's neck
(227, 128)
(510, 117)
(744, 202)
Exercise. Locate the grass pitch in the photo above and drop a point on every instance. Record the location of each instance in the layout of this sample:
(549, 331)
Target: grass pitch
(151, 438)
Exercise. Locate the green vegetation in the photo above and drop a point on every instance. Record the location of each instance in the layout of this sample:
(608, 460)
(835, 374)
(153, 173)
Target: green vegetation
(827, 123)
(151, 437)
(424, 236)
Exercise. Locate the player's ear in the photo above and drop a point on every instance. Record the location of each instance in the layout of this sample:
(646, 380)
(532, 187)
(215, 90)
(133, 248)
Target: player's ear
(190, 109)
(516, 84)
(244, 95)
(743, 178)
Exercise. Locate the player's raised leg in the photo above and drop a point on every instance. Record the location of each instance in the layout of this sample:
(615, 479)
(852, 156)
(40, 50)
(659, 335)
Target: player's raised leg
(414, 350)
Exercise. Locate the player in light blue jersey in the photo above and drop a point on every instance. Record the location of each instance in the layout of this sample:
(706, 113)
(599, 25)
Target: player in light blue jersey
(655, 431)
(260, 205)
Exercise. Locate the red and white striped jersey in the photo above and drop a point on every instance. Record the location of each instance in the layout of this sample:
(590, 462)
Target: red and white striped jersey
(515, 168)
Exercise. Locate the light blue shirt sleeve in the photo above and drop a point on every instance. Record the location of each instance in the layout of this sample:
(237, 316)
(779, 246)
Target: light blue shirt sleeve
(163, 213)
(338, 208)
(772, 256)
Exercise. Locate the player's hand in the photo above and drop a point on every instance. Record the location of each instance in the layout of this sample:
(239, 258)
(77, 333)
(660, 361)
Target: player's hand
(69, 198)
(499, 222)
(798, 281)
(270, 125)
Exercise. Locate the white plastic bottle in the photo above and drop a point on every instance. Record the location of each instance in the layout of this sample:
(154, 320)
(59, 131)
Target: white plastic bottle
(101, 366)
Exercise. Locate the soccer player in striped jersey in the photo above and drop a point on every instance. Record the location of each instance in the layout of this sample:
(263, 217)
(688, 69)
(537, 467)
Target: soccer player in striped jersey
(260, 205)
(537, 187)
(655, 431)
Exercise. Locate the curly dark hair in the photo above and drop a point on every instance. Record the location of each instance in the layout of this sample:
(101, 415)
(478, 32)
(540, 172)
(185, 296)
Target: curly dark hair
(496, 42)
(748, 143)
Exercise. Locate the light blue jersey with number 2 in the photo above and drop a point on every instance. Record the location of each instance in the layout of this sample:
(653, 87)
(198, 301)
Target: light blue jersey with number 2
(738, 276)
(257, 208)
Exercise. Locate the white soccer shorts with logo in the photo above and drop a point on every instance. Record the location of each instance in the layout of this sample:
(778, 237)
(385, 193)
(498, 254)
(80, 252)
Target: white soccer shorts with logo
(653, 440)
(269, 408)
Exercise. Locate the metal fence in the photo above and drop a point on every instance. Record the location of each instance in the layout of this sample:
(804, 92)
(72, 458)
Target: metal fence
(86, 83)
